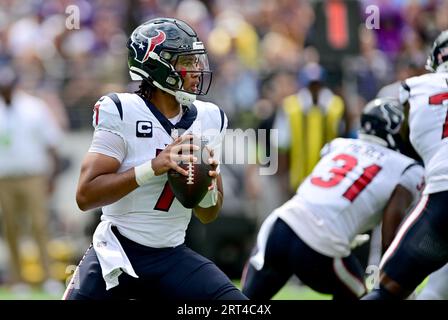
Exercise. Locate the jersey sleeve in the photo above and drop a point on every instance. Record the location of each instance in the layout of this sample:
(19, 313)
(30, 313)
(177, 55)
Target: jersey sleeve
(412, 179)
(106, 116)
(109, 144)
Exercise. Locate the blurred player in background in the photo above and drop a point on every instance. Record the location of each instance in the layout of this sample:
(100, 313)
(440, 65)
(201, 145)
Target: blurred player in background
(353, 186)
(421, 244)
(29, 160)
(138, 249)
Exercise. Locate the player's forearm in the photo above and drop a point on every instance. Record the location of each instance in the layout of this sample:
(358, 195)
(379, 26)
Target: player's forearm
(105, 189)
(207, 215)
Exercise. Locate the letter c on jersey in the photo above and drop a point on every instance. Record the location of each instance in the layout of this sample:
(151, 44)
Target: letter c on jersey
(144, 129)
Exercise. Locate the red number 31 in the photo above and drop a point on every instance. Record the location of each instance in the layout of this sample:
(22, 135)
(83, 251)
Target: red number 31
(339, 174)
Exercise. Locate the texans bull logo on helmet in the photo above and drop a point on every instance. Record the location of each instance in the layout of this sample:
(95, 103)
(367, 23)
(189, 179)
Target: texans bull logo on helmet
(144, 48)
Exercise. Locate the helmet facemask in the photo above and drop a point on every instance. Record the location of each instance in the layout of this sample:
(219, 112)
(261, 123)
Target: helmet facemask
(192, 69)
(189, 76)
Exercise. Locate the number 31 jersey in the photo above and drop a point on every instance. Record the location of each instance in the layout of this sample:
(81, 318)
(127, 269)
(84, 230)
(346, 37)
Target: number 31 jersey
(428, 124)
(347, 192)
(151, 215)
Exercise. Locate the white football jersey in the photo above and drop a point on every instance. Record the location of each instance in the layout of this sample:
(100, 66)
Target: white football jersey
(428, 125)
(151, 215)
(346, 193)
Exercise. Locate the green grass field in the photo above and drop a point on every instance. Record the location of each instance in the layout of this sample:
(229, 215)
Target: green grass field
(295, 292)
(5, 294)
(288, 292)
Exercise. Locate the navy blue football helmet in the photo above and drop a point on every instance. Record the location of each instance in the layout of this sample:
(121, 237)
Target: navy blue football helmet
(439, 52)
(165, 52)
(381, 122)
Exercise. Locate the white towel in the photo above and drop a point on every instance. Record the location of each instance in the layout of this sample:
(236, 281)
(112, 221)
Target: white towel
(110, 253)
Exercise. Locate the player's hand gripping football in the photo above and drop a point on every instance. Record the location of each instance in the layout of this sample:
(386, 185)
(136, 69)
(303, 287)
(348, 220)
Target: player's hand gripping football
(174, 153)
(212, 173)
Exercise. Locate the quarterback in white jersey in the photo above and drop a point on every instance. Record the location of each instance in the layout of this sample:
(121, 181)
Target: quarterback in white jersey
(155, 218)
(138, 249)
(421, 244)
(356, 183)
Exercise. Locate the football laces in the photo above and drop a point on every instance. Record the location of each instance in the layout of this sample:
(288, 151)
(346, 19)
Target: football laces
(190, 178)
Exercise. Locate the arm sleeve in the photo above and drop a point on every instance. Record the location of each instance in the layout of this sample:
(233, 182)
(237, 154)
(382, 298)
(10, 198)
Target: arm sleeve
(108, 138)
(412, 178)
(109, 144)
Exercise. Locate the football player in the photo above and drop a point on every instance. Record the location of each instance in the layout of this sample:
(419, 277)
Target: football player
(138, 249)
(356, 183)
(421, 244)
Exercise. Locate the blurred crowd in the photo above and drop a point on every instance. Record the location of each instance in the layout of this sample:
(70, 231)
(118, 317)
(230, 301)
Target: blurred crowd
(261, 51)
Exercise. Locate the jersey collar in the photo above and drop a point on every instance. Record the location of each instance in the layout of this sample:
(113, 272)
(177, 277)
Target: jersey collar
(189, 116)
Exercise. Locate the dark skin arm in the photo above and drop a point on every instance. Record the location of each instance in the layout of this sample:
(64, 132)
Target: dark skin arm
(99, 183)
(394, 213)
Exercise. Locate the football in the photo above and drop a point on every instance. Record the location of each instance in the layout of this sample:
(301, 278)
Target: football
(191, 189)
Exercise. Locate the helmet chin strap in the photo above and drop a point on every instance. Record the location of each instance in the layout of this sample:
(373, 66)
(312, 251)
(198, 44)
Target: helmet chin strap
(184, 98)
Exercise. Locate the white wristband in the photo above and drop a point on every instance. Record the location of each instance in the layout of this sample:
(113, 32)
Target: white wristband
(210, 199)
(144, 173)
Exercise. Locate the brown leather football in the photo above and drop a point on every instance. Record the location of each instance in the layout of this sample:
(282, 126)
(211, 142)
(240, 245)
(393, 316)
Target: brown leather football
(191, 189)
